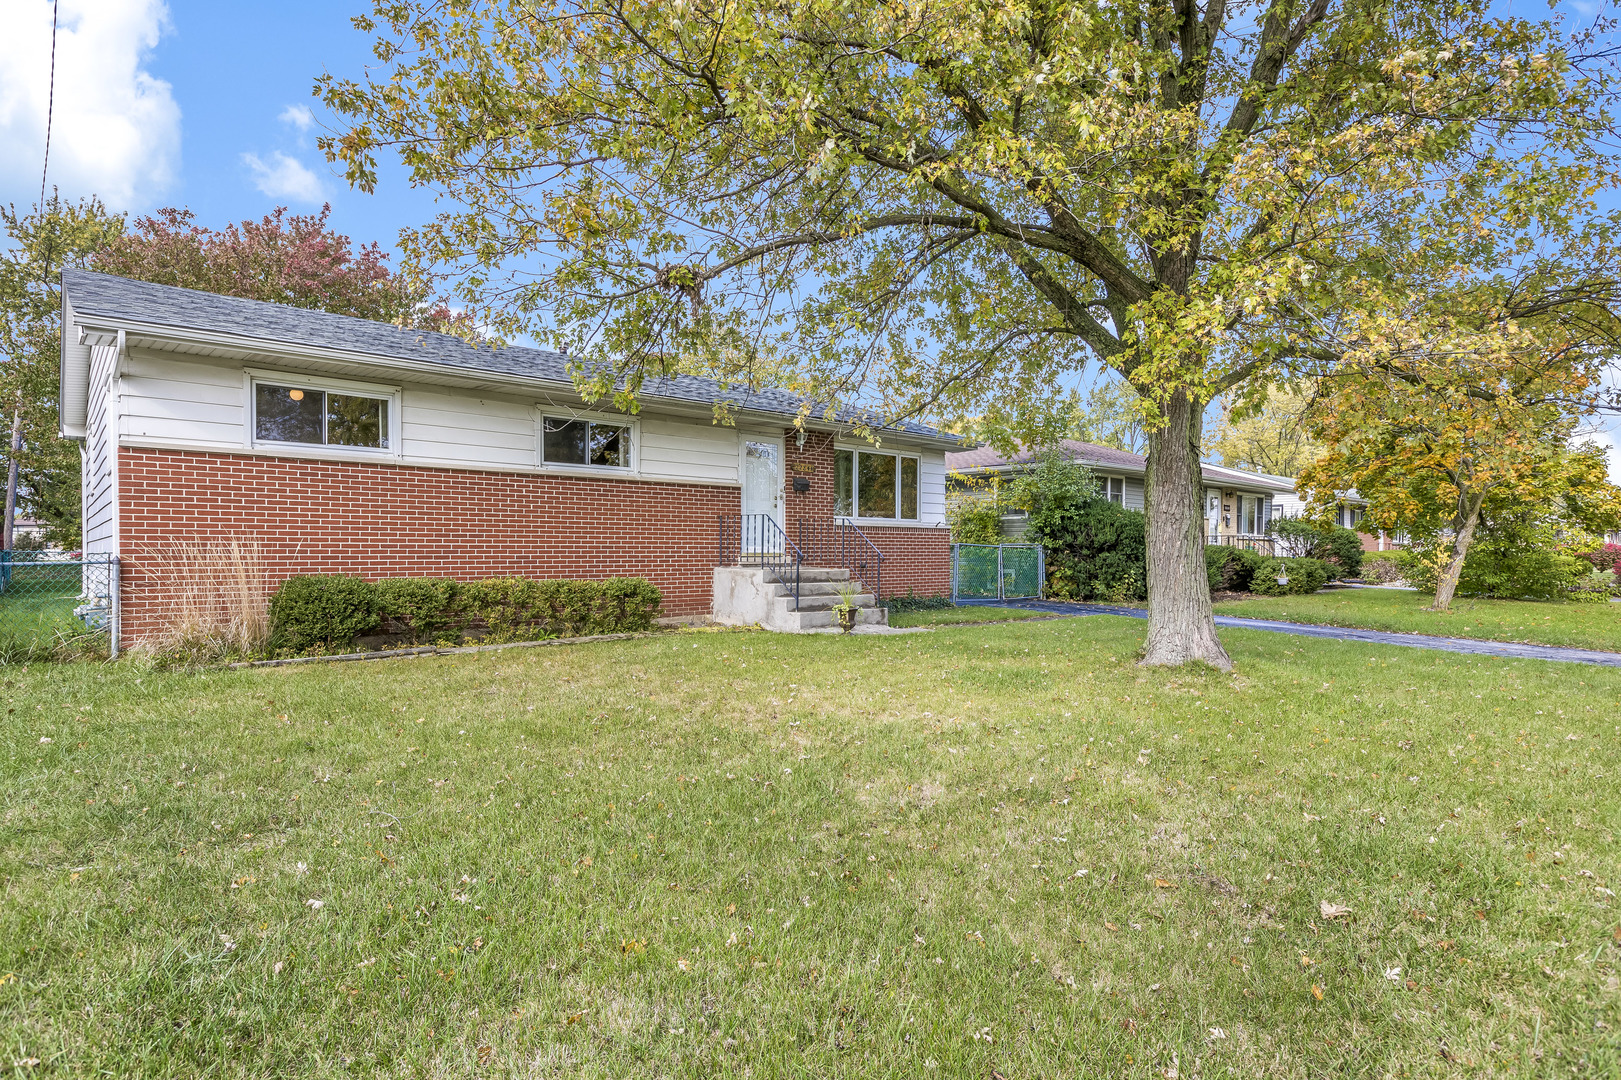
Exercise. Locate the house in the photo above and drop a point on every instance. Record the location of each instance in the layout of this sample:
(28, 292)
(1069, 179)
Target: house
(356, 447)
(1349, 512)
(1238, 505)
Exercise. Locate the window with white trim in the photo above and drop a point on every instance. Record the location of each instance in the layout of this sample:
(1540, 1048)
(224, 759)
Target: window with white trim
(300, 414)
(590, 443)
(1114, 489)
(873, 484)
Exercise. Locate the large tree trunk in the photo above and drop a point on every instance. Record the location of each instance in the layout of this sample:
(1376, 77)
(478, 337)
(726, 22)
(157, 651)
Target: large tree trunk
(1448, 583)
(1181, 624)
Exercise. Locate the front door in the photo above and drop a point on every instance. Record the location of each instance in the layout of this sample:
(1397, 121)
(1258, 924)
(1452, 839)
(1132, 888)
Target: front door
(762, 496)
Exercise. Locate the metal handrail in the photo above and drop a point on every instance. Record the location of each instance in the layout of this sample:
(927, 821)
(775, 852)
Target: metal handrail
(840, 544)
(784, 563)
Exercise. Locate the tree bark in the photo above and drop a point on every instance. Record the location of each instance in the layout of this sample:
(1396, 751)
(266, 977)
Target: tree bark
(8, 526)
(1448, 582)
(1181, 624)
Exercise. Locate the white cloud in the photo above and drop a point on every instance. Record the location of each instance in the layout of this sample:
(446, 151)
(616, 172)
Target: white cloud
(284, 177)
(298, 116)
(115, 129)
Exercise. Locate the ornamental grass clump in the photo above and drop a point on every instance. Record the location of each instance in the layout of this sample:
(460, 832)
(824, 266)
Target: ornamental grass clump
(214, 597)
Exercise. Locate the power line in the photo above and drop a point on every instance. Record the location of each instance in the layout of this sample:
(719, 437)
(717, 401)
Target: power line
(50, 107)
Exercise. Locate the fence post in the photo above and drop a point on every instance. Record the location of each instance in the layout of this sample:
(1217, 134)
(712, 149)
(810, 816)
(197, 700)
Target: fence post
(1001, 585)
(953, 574)
(115, 616)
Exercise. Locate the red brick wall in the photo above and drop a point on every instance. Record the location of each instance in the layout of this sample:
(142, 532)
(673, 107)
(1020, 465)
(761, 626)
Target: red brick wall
(381, 520)
(915, 558)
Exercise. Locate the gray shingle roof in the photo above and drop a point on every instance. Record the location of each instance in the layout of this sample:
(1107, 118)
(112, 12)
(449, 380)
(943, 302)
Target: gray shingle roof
(96, 295)
(1105, 457)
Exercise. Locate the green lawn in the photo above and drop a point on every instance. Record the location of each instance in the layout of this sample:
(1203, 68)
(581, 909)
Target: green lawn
(729, 854)
(1585, 626)
(970, 614)
(37, 604)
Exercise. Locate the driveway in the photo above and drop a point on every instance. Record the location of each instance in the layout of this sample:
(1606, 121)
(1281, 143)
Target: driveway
(1506, 649)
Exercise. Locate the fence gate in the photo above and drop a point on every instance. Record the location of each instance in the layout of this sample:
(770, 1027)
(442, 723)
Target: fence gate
(50, 599)
(997, 571)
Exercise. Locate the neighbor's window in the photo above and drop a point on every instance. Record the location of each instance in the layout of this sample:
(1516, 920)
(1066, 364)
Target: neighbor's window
(584, 442)
(302, 414)
(1114, 489)
(875, 485)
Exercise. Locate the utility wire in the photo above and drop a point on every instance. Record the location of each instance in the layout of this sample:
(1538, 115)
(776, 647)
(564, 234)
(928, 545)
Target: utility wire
(50, 106)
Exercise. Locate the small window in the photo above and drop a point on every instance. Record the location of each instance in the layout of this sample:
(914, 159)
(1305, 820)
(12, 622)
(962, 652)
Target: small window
(584, 442)
(1114, 489)
(909, 488)
(311, 417)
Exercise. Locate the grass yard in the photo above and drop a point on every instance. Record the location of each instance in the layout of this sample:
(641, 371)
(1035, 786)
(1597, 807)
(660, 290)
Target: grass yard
(1585, 626)
(37, 604)
(741, 854)
(969, 614)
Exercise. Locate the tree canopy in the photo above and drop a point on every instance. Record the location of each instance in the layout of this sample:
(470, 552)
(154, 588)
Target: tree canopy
(936, 205)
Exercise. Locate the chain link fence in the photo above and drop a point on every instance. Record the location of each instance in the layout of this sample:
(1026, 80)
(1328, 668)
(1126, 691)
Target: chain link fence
(997, 571)
(53, 602)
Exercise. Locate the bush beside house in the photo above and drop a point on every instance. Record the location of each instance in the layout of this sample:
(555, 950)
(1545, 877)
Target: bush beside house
(332, 612)
(1290, 577)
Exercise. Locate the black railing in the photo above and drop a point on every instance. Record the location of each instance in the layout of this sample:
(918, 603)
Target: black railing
(838, 545)
(757, 540)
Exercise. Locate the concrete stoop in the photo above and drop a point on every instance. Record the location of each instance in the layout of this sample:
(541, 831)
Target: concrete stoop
(750, 595)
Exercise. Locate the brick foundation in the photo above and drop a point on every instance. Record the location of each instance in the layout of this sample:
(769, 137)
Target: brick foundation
(381, 520)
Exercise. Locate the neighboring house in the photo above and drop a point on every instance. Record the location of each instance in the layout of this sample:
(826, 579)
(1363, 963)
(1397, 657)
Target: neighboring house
(356, 447)
(1348, 512)
(1238, 505)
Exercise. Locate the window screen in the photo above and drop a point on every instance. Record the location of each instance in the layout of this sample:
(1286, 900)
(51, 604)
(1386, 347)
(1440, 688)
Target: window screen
(843, 482)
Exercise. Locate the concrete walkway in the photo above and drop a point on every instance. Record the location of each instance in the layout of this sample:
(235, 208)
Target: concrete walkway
(1506, 649)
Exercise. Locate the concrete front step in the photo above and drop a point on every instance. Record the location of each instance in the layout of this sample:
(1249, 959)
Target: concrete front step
(809, 574)
(748, 596)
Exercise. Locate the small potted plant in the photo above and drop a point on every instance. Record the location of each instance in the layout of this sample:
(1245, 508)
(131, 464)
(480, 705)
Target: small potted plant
(845, 610)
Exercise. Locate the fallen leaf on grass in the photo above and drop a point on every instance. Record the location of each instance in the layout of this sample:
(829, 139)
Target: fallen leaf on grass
(574, 1018)
(1316, 991)
(1112, 926)
(1332, 911)
(1161, 883)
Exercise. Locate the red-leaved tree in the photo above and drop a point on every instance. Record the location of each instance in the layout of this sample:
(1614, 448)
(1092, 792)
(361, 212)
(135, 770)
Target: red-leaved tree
(294, 259)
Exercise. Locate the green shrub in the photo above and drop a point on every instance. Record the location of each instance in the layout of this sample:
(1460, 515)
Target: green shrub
(1096, 550)
(419, 608)
(1336, 545)
(331, 612)
(975, 521)
(322, 611)
(1305, 576)
(1515, 572)
(1230, 569)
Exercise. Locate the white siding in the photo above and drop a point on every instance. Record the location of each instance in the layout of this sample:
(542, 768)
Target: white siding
(99, 454)
(688, 450)
(1134, 494)
(442, 426)
(931, 494)
(167, 397)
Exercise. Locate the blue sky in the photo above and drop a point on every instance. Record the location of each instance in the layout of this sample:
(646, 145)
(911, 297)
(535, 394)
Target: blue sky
(205, 104)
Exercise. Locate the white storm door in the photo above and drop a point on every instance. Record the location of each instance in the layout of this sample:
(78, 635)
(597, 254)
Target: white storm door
(762, 496)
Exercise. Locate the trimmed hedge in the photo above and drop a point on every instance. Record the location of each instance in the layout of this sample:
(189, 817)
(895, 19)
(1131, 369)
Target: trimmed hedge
(1305, 576)
(322, 611)
(332, 611)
